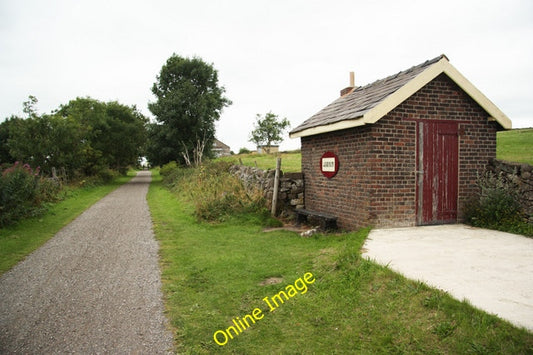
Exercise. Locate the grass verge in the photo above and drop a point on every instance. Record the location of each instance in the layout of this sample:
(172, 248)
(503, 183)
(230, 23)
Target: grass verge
(214, 273)
(515, 145)
(19, 240)
(290, 161)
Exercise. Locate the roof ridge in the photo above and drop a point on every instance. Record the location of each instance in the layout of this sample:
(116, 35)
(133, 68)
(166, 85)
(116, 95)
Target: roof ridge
(421, 65)
(367, 104)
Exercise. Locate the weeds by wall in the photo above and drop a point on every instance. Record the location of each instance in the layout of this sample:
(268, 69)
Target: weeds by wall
(215, 192)
(521, 176)
(291, 187)
(504, 198)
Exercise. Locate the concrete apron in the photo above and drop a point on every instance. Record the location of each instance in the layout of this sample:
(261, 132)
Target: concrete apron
(492, 270)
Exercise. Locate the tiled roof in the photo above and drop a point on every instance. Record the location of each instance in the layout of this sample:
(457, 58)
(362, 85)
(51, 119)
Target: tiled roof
(364, 98)
(218, 144)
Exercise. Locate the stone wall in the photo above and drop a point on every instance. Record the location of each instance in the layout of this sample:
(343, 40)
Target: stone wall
(522, 176)
(290, 189)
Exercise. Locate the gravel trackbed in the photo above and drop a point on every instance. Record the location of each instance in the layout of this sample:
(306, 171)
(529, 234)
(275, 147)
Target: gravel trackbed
(93, 288)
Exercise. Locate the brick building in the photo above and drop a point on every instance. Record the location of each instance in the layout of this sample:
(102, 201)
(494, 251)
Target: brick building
(407, 149)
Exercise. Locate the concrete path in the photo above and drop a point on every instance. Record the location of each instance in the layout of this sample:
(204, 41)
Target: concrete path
(93, 288)
(493, 270)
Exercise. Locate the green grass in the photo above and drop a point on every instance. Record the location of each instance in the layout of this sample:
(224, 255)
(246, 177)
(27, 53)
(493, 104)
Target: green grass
(290, 161)
(214, 273)
(21, 239)
(515, 145)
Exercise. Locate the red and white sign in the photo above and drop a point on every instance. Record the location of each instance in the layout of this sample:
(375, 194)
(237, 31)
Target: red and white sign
(329, 164)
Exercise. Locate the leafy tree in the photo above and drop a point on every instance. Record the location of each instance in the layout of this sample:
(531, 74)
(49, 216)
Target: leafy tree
(29, 106)
(159, 149)
(115, 134)
(189, 102)
(268, 129)
(9, 125)
(46, 142)
(5, 155)
(85, 137)
(126, 137)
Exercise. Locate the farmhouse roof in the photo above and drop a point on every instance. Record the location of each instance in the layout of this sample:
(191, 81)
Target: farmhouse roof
(367, 104)
(220, 145)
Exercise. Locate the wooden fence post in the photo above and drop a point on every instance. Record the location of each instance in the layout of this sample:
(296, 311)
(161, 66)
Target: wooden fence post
(276, 187)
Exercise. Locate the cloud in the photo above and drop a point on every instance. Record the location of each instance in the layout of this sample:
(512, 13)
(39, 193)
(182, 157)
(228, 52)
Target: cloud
(291, 57)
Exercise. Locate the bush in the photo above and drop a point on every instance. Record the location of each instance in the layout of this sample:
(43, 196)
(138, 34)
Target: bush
(23, 193)
(497, 205)
(168, 168)
(106, 175)
(215, 193)
(244, 151)
(49, 190)
(100, 176)
(172, 174)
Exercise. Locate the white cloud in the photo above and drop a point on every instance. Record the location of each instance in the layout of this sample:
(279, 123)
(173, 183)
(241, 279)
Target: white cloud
(291, 57)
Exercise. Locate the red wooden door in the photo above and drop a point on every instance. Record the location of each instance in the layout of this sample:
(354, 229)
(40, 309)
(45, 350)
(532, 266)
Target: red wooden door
(437, 171)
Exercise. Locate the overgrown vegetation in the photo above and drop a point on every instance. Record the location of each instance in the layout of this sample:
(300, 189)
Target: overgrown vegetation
(24, 193)
(214, 273)
(497, 205)
(215, 193)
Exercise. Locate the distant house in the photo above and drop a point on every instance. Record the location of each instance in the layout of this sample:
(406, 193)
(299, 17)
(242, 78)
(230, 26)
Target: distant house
(267, 149)
(220, 149)
(402, 151)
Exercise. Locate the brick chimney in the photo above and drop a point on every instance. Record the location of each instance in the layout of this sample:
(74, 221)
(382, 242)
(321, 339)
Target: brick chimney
(350, 88)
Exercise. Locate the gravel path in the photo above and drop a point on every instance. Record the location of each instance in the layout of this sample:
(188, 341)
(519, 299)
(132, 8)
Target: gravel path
(93, 288)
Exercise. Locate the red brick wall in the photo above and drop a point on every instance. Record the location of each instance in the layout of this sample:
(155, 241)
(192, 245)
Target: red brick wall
(376, 182)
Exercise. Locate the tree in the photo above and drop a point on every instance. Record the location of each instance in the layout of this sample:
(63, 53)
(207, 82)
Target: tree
(47, 141)
(115, 133)
(5, 134)
(268, 129)
(28, 107)
(189, 102)
(125, 138)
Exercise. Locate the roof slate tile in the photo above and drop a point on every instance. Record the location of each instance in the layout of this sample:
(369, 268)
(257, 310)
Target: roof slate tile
(362, 99)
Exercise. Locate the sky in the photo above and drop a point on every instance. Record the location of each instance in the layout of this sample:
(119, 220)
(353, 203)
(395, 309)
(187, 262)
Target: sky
(285, 56)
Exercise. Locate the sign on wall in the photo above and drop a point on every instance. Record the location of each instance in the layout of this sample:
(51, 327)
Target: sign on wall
(329, 164)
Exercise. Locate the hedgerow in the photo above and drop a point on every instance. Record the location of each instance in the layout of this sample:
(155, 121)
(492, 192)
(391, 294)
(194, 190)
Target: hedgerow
(23, 192)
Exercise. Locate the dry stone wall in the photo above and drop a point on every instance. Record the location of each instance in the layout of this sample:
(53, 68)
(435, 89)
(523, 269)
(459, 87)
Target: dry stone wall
(522, 176)
(290, 189)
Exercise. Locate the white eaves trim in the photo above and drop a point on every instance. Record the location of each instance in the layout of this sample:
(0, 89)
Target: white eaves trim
(403, 93)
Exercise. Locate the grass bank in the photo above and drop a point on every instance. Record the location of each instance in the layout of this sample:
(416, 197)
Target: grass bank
(515, 145)
(216, 276)
(290, 161)
(21, 239)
